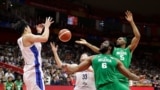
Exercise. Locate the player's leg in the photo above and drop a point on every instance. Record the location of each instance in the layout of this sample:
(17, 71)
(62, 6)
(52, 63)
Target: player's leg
(33, 82)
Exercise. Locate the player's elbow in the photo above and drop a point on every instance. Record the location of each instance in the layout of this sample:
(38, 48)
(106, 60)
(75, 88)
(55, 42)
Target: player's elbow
(44, 39)
(125, 73)
(77, 69)
(128, 75)
(138, 36)
(59, 66)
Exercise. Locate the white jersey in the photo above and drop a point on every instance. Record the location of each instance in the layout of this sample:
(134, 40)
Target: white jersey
(32, 69)
(85, 80)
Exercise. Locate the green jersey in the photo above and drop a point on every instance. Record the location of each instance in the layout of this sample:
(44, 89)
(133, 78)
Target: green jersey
(124, 55)
(9, 85)
(104, 67)
(18, 84)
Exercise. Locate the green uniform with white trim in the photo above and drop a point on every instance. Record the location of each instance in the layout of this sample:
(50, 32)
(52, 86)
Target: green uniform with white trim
(9, 85)
(104, 67)
(18, 84)
(124, 55)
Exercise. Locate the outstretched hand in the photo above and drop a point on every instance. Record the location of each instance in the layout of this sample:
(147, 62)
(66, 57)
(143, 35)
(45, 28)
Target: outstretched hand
(142, 77)
(81, 41)
(54, 47)
(48, 22)
(129, 16)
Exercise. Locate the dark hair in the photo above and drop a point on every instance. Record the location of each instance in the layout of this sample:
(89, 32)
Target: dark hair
(104, 49)
(20, 25)
(86, 53)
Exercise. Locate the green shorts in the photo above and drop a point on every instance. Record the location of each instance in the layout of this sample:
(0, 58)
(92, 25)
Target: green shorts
(113, 86)
(125, 85)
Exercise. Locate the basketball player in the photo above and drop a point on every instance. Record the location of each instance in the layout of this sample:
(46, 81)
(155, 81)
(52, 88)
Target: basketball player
(104, 66)
(84, 79)
(123, 52)
(30, 46)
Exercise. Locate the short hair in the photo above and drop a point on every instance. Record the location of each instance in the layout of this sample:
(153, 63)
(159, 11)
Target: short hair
(20, 25)
(80, 59)
(87, 53)
(104, 50)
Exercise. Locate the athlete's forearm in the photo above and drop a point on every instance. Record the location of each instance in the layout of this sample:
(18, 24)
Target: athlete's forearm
(126, 72)
(45, 34)
(92, 47)
(134, 77)
(57, 59)
(81, 67)
(69, 68)
(135, 29)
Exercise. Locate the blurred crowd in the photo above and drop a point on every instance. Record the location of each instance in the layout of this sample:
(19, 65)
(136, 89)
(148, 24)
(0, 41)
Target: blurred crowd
(142, 64)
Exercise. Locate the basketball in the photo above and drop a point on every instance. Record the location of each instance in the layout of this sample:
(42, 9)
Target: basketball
(64, 35)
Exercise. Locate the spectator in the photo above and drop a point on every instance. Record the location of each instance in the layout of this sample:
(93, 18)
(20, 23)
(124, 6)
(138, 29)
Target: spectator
(9, 85)
(9, 73)
(18, 83)
(1, 75)
(47, 78)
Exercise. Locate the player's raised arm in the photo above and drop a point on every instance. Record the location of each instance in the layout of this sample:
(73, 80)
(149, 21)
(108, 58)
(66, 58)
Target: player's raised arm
(136, 38)
(56, 56)
(45, 34)
(84, 42)
(127, 73)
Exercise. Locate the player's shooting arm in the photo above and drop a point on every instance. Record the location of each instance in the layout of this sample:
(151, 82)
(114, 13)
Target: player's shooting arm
(44, 36)
(136, 38)
(126, 72)
(47, 24)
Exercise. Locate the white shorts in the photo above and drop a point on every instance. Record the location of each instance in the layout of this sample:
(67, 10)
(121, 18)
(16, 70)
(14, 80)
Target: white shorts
(84, 88)
(33, 81)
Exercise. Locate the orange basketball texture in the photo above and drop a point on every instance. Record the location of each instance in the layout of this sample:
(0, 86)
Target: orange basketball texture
(64, 35)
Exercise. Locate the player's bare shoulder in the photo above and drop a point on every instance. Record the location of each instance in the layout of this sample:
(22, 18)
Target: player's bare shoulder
(26, 39)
